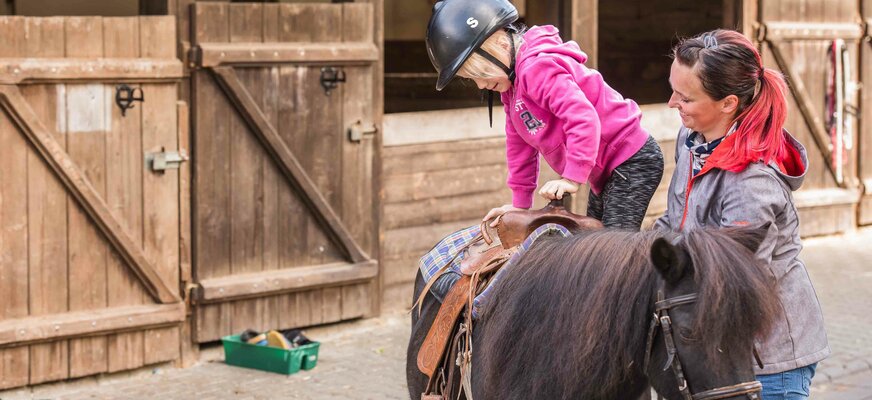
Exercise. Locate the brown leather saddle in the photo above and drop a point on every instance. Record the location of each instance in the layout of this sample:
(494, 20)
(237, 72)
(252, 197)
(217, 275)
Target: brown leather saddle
(483, 258)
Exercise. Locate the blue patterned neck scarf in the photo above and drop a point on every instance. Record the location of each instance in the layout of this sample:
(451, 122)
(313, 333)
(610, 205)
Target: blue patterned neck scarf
(700, 150)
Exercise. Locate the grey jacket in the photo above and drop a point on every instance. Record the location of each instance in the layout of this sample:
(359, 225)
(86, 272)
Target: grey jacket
(761, 193)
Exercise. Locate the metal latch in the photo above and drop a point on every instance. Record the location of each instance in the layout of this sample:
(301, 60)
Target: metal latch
(125, 96)
(331, 78)
(160, 162)
(359, 130)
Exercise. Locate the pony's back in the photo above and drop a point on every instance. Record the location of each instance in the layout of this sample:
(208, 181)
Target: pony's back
(569, 320)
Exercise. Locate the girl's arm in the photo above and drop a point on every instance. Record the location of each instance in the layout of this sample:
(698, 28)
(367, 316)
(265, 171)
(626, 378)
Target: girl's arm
(551, 86)
(523, 163)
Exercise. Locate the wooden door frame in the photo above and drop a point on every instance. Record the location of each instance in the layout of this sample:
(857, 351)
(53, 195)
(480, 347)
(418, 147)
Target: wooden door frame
(219, 59)
(81, 189)
(240, 286)
(864, 210)
(170, 310)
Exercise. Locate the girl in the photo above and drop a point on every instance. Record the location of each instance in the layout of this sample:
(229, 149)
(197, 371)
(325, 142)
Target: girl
(735, 166)
(555, 106)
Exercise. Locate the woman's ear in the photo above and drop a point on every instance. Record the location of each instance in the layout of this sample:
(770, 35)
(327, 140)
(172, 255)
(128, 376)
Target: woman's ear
(730, 104)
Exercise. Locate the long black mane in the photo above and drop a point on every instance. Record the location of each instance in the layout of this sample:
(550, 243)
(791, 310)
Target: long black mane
(586, 302)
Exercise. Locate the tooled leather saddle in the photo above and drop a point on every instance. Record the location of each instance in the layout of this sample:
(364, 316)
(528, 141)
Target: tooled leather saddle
(483, 258)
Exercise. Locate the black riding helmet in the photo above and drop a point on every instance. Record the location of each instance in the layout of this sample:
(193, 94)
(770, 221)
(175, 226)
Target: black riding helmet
(459, 27)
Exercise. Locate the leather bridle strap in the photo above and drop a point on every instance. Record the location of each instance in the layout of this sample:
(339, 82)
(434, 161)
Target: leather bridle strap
(672, 356)
(748, 388)
(675, 302)
(662, 319)
(659, 307)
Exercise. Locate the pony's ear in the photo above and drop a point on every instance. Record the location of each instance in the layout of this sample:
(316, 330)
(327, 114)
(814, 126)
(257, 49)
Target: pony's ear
(750, 237)
(671, 261)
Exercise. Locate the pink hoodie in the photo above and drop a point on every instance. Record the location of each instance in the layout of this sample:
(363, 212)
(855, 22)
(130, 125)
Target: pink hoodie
(565, 111)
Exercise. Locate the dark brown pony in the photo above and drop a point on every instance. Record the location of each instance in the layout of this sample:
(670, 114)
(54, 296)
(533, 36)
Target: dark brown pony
(570, 320)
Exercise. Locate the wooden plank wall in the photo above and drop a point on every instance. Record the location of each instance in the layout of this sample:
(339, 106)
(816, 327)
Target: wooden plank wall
(865, 137)
(55, 260)
(248, 218)
(432, 189)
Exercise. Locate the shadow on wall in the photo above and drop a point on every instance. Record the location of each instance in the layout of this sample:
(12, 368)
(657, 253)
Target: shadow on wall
(44, 8)
(636, 36)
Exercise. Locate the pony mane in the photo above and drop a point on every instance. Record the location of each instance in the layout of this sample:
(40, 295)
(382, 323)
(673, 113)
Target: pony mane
(597, 286)
(738, 298)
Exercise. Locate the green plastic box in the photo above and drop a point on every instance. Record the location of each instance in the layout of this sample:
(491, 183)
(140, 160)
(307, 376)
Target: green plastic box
(271, 359)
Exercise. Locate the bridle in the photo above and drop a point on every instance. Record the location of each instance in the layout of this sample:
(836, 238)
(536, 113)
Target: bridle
(662, 319)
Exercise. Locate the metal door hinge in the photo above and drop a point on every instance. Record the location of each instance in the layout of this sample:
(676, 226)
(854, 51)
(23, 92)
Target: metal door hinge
(190, 292)
(359, 130)
(195, 57)
(164, 160)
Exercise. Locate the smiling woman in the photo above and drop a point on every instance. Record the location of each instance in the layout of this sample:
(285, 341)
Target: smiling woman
(737, 166)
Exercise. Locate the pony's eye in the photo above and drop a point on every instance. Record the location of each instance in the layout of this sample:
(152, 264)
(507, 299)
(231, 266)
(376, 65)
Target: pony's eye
(687, 335)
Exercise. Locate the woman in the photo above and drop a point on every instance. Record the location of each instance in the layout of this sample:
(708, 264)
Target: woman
(555, 107)
(736, 166)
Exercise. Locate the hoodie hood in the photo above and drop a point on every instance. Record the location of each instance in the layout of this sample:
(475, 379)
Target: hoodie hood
(546, 39)
(793, 167)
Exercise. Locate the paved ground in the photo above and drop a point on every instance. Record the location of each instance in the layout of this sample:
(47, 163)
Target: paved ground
(366, 360)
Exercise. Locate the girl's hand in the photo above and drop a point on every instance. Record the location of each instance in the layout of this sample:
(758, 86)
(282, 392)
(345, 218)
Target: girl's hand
(496, 212)
(554, 190)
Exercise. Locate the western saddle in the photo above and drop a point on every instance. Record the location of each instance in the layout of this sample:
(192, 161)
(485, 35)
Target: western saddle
(483, 259)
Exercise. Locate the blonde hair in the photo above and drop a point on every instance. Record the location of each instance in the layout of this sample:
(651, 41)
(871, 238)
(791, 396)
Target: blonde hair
(497, 45)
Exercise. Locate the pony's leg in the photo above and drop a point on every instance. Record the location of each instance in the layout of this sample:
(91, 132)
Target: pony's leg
(415, 380)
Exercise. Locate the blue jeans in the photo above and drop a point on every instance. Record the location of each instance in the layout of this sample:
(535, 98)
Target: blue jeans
(788, 385)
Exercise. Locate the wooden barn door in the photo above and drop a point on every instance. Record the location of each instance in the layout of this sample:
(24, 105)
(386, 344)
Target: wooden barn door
(89, 232)
(865, 214)
(797, 37)
(284, 108)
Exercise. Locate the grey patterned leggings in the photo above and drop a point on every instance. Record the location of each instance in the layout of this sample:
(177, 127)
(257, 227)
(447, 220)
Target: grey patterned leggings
(624, 200)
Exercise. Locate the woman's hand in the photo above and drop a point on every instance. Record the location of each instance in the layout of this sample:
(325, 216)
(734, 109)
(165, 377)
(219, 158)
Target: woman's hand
(496, 212)
(554, 190)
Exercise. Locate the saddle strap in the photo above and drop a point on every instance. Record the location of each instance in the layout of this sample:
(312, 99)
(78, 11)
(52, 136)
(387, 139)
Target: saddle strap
(420, 301)
(437, 338)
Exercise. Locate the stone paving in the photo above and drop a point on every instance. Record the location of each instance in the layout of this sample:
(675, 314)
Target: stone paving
(365, 359)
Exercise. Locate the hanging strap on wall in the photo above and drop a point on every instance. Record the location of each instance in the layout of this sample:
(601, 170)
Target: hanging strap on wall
(840, 111)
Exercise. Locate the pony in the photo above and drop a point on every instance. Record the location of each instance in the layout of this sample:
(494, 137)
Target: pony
(604, 314)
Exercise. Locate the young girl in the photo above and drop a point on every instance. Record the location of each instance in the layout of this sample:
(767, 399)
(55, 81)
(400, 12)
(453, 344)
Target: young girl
(736, 166)
(555, 106)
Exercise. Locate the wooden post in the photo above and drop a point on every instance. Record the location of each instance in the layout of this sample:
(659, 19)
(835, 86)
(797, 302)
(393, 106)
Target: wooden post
(585, 31)
(585, 27)
(748, 17)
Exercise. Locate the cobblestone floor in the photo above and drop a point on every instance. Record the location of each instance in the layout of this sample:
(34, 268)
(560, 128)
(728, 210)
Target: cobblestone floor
(366, 360)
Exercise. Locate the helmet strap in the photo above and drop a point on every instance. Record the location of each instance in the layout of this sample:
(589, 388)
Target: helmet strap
(509, 70)
(490, 107)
